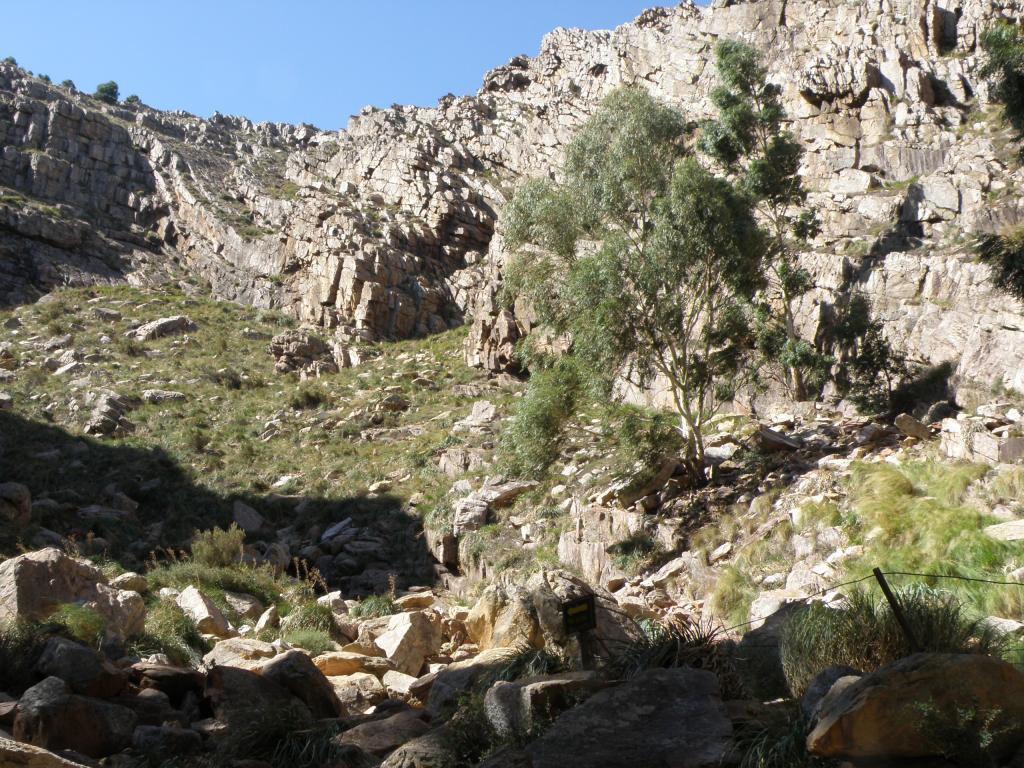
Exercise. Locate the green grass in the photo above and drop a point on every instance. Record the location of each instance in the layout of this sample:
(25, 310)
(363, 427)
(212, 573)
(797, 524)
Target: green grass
(865, 635)
(734, 593)
(79, 623)
(315, 641)
(374, 606)
(21, 645)
(169, 631)
(213, 581)
(209, 449)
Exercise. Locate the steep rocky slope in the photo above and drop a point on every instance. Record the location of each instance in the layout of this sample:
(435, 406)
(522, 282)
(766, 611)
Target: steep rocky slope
(387, 229)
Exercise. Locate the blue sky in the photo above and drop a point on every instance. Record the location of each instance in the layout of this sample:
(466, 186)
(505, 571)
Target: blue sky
(302, 61)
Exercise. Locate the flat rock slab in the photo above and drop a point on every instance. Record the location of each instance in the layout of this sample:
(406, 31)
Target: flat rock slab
(1011, 531)
(662, 717)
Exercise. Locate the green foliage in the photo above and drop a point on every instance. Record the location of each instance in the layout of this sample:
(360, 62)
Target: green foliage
(680, 643)
(169, 631)
(312, 615)
(307, 396)
(866, 636)
(374, 606)
(257, 733)
(680, 255)
(967, 736)
(21, 644)
(315, 748)
(133, 99)
(45, 79)
(644, 436)
(10, 61)
(634, 553)
(734, 593)
(107, 92)
(258, 581)
(748, 138)
(874, 369)
(1003, 44)
(83, 624)
(69, 84)
(315, 641)
(780, 745)
(1004, 254)
(530, 443)
(219, 548)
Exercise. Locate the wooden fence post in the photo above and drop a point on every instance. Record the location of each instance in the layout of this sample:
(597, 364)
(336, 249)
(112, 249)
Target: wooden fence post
(897, 611)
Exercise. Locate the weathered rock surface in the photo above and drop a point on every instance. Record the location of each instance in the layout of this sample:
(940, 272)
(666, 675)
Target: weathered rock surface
(52, 717)
(667, 716)
(906, 710)
(295, 671)
(387, 229)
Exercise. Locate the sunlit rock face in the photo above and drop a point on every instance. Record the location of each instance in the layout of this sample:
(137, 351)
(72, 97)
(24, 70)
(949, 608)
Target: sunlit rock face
(391, 228)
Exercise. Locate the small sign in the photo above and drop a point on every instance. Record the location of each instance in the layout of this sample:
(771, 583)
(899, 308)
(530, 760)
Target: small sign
(580, 615)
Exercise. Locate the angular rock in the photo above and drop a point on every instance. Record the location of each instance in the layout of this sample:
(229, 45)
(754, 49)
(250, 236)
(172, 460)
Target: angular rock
(381, 737)
(204, 614)
(165, 326)
(409, 639)
(669, 716)
(295, 671)
(904, 710)
(51, 717)
(81, 668)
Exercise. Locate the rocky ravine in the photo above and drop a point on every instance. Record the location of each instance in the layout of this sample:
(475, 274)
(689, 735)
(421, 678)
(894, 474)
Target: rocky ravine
(386, 229)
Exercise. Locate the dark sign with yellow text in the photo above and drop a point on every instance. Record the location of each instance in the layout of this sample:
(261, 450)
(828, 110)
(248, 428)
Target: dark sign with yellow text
(580, 615)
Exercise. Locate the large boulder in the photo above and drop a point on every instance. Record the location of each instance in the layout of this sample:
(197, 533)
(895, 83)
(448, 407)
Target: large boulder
(239, 695)
(358, 691)
(517, 708)
(334, 663)
(410, 638)
(531, 614)
(449, 684)
(52, 717)
(81, 668)
(915, 707)
(33, 585)
(295, 671)
(669, 717)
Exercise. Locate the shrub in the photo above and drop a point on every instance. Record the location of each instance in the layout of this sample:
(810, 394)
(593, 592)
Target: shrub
(1004, 254)
(107, 92)
(10, 61)
(779, 745)
(313, 749)
(374, 606)
(133, 99)
(312, 616)
(69, 84)
(866, 636)
(219, 548)
(315, 641)
(634, 553)
(169, 631)
(681, 643)
(257, 733)
(307, 396)
(83, 624)
(258, 581)
(733, 595)
(21, 644)
(531, 441)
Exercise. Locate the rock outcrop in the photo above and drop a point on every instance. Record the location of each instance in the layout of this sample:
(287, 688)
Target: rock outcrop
(388, 228)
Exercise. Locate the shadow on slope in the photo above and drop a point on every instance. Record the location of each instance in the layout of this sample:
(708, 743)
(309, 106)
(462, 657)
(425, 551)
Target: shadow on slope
(77, 482)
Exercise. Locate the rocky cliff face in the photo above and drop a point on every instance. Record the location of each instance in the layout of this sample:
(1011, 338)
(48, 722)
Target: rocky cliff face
(388, 229)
